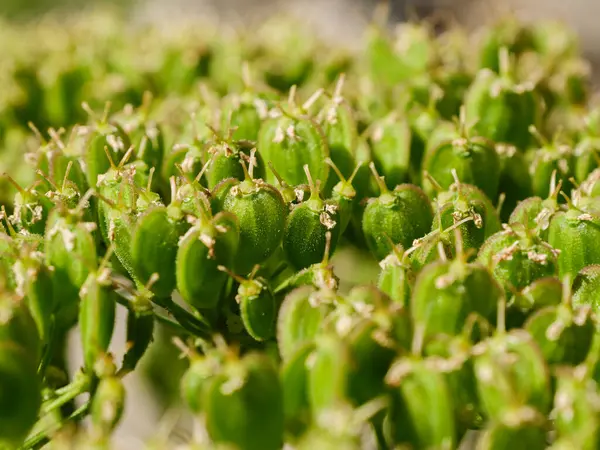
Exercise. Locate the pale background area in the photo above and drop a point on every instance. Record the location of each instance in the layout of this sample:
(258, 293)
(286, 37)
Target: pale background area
(342, 22)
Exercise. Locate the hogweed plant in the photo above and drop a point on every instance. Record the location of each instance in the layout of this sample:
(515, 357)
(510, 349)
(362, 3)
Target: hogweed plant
(217, 194)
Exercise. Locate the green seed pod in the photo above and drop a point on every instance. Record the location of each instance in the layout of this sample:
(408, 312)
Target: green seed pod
(244, 405)
(543, 292)
(336, 119)
(154, 245)
(304, 238)
(511, 373)
(515, 180)
(473, 160)
(390, 65)
(261, 213)
(257, 307)
(508, 33)
(206, 246)
(344, 195)
(289, 143)
(396, 278)
(103, 136)
(395, 217)
(108, 404)
(225, 157)
(553, 162)
(501, 109)
(244, 114)
(564, 334)
(30, 209)
(96, 316)
(390, 147)
(329, 372)
(453, 360)
(34, 281)
(21, 394)
(195, 381)
(517, 258)
(586, 288)
(184, 159)
(220, 192)
(294, 380)
(300, 318)
(70, 248)
(576, 235)
(466, 208)
(576, 409)
(447, 292)
(140, 331)
(523, 429)
(17, 326)
(421, 392)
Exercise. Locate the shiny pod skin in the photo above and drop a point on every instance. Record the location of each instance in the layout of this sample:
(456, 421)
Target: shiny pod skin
(261, 214)
(244, 405)
(154, 245)
(446, 293)
(96, 316)
(396, 217)
(204, 248)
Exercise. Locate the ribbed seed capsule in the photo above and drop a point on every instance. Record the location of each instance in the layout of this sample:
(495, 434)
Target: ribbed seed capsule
(304, 238)
(576, 234)
(139, 334)
(468, 208)
(300, 318)
(34, 281)
(396, 277)
(511, 373)
(446, 293)
(294, 380)
(344, 195)
(517, 258)
(225, 157)
(257, 306)
(96, 316)
(30, 209)
(472, 159)
(289, 143)
(396, 217)
(107, 405)
(20, 396)
(576, 408)
(420, 392)
(338, 123)
(523, 429)
(563, 333)
(154, 245)
(70, 248)
(501, 109)
(104, 135)
(390, 147)
(515, 180)
(261, 214)
(244, 405)
(453, 359)
(205, 247)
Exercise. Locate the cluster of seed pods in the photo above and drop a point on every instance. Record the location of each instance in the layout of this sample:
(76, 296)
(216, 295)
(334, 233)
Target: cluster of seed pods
(220, 213)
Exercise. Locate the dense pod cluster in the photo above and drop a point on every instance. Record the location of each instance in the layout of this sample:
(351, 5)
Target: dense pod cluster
(209, 184)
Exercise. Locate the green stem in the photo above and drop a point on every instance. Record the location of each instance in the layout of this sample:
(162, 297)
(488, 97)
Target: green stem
(39, 440)
(193, 324)
(67, 393)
